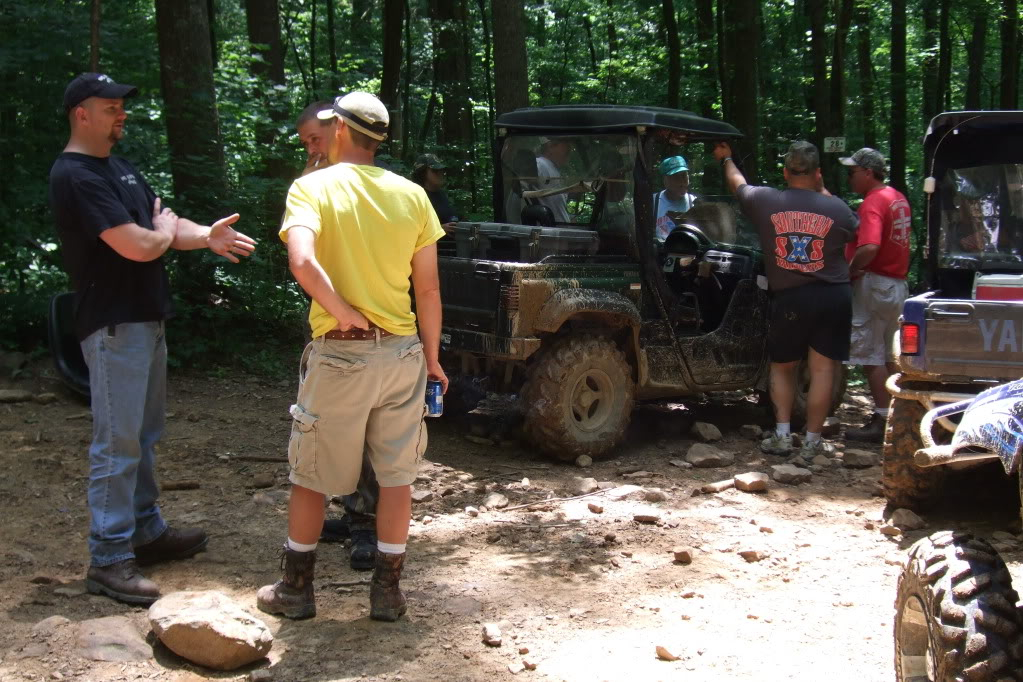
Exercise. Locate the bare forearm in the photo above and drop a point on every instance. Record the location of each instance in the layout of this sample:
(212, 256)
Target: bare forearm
(864, 256)
(734, 178)
(429, 315)
(311, 277)
(190, 236)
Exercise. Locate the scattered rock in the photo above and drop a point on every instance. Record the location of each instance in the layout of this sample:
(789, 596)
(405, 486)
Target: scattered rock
(655, 495)
(472, 511)
(261, 675)
(46, 398)
(263, 481)
(595, 508)
(680, 463)
(754, 555)
(717, 486)
(210, 629)
(832, 427)
(113, 638)
(1003, 536)
(859, 459)
(821, 461)
(516, 667)
(529, 663)
(638, 474)
(707, 456)
(495, 501)
(491, 634)
(14, 395)
(76, 589)
(751, 482)
(708, 433)
(890, 531)
(646, 518)
(905, 519)
(787, 473)
(583, 461)
(585, 486)
(751, 431)
(896, 559)
(421, 496)
(683, 555)
(271, 497)
(626, 491)
(48, 625)
(664, 654)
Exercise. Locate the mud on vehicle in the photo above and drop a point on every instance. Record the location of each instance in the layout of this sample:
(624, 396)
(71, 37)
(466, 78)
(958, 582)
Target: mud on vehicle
(965, 333)
(582, 318)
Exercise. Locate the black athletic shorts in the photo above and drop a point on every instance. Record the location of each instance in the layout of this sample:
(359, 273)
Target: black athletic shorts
(817, 316)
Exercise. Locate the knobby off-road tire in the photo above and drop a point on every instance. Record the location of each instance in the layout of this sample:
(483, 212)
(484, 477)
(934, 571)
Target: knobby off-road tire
(955, 614)
(578, 398)
(905, 484)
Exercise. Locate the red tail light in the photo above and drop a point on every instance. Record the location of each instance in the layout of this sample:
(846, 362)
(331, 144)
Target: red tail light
(909, 339)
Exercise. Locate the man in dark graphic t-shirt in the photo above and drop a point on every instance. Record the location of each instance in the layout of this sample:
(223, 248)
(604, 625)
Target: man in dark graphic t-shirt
(803, 232)
(113, 233)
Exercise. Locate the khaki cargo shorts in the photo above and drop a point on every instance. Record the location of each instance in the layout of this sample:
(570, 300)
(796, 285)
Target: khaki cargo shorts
(355, 397)
(877, 305)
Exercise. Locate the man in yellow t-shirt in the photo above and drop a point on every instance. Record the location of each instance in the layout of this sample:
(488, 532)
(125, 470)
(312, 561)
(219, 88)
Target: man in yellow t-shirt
(356, 234)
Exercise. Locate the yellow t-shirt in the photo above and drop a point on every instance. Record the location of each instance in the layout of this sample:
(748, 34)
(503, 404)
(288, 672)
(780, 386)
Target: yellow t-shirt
(368, 224)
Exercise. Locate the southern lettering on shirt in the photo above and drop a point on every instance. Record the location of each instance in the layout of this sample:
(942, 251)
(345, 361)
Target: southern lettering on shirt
(799, 245)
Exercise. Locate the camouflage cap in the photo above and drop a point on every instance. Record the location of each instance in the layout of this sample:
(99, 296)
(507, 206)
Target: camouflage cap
(802, 157)
(868, 158)
(430, 161)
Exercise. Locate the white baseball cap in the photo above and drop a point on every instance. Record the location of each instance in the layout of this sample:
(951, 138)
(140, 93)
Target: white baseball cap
(362, 111)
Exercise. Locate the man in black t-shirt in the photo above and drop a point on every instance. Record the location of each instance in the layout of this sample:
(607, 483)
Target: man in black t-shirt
(113, 233)
(803, 232)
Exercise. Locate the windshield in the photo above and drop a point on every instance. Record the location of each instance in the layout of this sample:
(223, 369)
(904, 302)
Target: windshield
(982, 217)
(581, 180)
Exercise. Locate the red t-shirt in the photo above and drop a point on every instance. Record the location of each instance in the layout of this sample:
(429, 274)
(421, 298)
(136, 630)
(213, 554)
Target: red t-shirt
(885, 221)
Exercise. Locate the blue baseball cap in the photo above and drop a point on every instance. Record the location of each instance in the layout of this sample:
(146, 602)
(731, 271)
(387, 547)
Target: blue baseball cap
(673, 165)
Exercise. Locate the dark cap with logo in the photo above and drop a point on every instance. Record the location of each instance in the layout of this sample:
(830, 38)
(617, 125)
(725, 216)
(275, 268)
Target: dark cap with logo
(802, 157)
(95, 85)
(868, 158)
(430, 161)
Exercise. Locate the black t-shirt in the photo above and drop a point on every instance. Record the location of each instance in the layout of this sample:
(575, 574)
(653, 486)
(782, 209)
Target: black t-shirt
(803, 234)
(442, 207)
(88, 195)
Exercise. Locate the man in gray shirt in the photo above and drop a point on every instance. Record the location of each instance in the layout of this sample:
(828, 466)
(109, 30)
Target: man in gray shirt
(803, 233)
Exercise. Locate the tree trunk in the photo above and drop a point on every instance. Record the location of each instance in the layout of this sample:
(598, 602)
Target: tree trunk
(945, 56)
(312, 50)
(332, 48)
(898, 116)
(817, 13)
(263, 21)
(588, 26)
(929, 60)
(94, 37)
(723, 57)
(836, 109)
(488, 61)
(211, 12)
(674, 48)
(406, 95)
(1009, 79)
(394, 17)
(511, 85)
(740, 72)
(866, 71)
(708, 72)
(975, 57)
(541, 23)
(190, 107)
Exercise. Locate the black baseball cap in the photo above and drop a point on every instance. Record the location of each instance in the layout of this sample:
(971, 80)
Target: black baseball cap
(95, 85)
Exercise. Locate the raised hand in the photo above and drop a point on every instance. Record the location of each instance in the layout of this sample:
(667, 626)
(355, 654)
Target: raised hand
(225, 241)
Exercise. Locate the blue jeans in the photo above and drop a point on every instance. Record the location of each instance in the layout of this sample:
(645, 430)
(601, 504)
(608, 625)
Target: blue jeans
(128, 382)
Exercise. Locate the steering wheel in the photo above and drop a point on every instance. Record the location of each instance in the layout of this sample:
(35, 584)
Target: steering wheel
(694, 230)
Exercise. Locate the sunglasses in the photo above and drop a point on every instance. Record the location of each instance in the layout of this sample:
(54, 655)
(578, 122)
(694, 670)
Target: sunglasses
(854, 171)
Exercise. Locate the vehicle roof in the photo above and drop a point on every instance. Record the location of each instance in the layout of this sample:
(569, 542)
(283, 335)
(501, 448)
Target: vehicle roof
(959, 139)
(568, 118)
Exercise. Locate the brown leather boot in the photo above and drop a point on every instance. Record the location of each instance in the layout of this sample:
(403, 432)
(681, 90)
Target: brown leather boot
(292, 596)
(123, 582)
(386, 601)
(871, 432)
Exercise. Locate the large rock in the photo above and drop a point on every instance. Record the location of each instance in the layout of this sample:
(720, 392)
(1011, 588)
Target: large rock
(113, 638)
(859, 459)
(585, 486)
(753, 431)
(15, 395)
(707, 456)
(905, 519)
(708, 433)
(210, 629)
(752, 482)
(787, 473)
(495, 501)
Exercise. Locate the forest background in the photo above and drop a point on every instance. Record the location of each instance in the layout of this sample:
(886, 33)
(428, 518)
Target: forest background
(222, 81)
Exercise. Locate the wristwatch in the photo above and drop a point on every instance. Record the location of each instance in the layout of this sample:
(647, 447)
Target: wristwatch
(727, 158)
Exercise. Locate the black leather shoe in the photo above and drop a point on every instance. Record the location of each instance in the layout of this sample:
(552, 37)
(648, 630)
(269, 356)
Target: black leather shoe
(174, 543)
(364, 550)
(871, 432)
(336, 530)
(123, 582)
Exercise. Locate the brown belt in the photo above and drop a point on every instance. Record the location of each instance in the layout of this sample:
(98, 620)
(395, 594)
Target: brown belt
(357, 334)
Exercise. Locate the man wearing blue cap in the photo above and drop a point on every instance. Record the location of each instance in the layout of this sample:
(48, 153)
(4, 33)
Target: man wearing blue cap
(675, 198)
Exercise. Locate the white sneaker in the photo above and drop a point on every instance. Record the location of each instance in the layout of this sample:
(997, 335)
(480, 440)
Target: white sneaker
(777, 445)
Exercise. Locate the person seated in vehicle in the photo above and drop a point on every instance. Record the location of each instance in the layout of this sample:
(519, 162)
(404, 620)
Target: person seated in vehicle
(553, 156)
(429, 173)
(674, 199)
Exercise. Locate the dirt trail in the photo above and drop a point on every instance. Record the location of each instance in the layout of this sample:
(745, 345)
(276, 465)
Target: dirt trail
(589, 594)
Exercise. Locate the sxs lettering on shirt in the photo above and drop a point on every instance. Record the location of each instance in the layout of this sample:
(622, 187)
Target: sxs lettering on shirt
(795, 246)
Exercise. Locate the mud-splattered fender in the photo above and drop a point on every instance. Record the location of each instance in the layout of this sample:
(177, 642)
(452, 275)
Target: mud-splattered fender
(607, 307)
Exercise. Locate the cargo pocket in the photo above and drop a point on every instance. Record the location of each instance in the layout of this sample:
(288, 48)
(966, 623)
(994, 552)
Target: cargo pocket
(341, 365)
(411, 353)
(302, 445)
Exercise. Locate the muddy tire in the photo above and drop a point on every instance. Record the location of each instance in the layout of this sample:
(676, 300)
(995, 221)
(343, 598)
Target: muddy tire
(955, 614)
(578, 398)
(904, 483)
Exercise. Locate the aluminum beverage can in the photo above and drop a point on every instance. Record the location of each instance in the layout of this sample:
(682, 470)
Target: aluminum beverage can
(434, 398)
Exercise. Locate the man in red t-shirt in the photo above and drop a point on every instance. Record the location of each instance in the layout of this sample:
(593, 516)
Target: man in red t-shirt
(878, 263)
